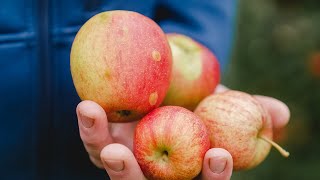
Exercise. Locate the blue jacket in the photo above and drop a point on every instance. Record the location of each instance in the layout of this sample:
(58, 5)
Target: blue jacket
(39, 135)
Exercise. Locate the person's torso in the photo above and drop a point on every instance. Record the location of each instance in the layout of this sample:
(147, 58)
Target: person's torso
(39, 133)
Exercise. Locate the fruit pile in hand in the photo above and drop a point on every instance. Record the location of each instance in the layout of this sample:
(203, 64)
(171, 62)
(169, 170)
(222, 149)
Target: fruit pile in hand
(125, 62)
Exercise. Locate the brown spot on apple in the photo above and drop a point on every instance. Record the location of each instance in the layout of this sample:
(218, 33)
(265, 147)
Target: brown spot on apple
(107, 74)
(153, 98)
(156, 55)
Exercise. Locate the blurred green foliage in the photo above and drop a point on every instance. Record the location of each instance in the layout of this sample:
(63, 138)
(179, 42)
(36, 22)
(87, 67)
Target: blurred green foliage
(277, 53)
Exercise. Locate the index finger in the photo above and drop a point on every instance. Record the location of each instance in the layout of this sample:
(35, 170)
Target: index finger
(93, 128)
(279, 112)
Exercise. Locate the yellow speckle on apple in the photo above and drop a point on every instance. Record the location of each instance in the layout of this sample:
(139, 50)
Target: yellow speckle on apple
(153, 98)
(156, 55)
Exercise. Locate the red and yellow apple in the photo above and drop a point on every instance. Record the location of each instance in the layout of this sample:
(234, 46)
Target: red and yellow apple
(195, 72)
(121, 60)
(170, 143)
(237, 122)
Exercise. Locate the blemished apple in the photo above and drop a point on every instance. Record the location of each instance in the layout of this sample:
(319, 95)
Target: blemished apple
(170, 143)
(195, 72)
(121, 60)
(237, 122)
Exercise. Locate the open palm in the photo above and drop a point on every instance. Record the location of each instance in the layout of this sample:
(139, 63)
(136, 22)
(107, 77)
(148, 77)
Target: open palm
(109, 145)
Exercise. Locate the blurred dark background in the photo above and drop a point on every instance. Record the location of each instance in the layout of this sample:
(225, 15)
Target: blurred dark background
(277, 53)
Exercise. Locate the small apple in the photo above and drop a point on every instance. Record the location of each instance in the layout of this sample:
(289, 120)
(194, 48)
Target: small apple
(121, 60)
(170, 143)
(195, 72)
(237, 122)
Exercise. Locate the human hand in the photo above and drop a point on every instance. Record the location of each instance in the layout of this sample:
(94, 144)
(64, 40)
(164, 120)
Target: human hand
(109, 145)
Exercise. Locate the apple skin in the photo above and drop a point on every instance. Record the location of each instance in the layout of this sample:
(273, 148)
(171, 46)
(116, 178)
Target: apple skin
(195, 72)
(236, 121)
(170, 143)
(121, 60)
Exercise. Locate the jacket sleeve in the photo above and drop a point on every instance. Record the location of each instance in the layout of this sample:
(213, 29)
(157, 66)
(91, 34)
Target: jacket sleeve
(211, 22)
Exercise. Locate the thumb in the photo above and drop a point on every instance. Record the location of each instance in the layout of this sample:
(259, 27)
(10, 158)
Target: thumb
(120, 163)
(217, 165)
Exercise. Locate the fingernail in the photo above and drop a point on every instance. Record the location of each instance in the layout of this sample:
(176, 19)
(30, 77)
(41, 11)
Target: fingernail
(86, 121)
(217, 164)
(115, 165)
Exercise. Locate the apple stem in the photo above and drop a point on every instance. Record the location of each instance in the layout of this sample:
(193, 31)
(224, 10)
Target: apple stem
(279, 148)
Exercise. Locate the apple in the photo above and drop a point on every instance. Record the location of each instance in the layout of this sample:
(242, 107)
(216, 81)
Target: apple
(237, 122)
(170, 143)
(195, 72)
(121, 60)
